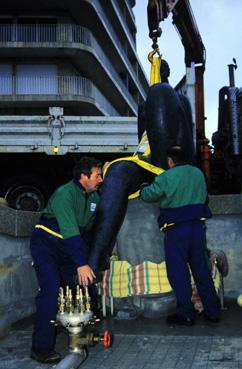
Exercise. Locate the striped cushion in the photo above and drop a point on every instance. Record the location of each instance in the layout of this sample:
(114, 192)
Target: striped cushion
(124, 279)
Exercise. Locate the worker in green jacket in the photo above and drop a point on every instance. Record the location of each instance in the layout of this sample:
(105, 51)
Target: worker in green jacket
(59, 248)
(181, 192)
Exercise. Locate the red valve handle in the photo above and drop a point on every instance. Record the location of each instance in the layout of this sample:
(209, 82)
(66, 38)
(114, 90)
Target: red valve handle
(106, 339)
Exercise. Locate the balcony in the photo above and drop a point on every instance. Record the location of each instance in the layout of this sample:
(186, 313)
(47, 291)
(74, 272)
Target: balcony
(50, 38)
(50, 89)
(120, 48)
(38, 33)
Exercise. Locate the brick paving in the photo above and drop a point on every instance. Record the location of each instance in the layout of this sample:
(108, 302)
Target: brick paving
(144, 344)
(137, 352)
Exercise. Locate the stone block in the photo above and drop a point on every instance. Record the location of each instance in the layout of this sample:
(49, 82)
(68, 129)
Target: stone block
(226, 204)
(18, 284)
(139, 238)
(17, 223)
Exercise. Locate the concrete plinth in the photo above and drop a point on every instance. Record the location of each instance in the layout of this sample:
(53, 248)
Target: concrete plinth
(139, 239)
(18, 285)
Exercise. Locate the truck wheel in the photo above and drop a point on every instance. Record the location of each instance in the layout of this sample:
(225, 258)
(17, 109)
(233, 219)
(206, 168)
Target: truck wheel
(25, 193)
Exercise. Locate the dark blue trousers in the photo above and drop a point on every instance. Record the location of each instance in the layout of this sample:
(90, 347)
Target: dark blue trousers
(54, 268)
(185, 244)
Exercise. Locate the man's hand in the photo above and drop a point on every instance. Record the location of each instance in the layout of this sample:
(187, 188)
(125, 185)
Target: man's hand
(85, 275)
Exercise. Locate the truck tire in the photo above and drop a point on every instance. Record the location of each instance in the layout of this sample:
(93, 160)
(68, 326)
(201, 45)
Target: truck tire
(25, 192)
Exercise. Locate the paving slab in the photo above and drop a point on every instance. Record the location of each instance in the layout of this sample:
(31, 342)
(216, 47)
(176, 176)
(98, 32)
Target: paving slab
(137, 352)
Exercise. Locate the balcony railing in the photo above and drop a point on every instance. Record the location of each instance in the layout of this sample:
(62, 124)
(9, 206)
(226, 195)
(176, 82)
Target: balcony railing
(44, 33)
(62, 86)
(69, 33)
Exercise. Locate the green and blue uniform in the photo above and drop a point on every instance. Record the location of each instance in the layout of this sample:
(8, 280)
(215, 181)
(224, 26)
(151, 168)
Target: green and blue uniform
(69, 211)
(59, 245)
(182, 194)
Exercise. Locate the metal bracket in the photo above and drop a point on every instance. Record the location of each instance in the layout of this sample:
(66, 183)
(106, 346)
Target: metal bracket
(56, 124)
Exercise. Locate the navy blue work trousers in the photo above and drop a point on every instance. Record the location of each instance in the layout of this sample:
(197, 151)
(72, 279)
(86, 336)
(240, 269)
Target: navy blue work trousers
(185, 244)
(54, 268)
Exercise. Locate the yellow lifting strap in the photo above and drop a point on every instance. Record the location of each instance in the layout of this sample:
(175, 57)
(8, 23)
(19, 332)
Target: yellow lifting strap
(137, 160)
(143, 149)
(155, 67)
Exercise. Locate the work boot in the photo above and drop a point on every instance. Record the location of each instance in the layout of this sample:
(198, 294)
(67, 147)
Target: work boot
(179, 320)
(45, 356)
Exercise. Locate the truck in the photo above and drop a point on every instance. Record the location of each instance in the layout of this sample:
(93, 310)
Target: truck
(67, 89)
(38, 153)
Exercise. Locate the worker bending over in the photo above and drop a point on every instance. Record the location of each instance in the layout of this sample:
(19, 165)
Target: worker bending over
(59, 248)
(181, 192)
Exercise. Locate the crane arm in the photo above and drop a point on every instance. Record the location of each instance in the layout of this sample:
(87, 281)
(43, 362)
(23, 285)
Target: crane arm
(184, 21)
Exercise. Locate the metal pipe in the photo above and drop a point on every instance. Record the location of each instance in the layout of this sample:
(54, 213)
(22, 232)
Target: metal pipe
(72, 360)
(232, 68)
(231, 75)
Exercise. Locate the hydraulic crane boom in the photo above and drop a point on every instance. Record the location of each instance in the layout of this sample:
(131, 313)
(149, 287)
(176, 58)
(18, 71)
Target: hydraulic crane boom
(183, 18)
(223, 166)
(158, 10)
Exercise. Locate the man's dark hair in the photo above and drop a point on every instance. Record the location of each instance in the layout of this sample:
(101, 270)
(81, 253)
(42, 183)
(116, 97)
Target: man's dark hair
(176, 153)
(85, 165)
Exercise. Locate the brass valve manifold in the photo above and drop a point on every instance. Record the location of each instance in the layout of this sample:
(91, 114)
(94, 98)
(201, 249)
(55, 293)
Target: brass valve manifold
(90, 339)
(67, 304)
(75, 315)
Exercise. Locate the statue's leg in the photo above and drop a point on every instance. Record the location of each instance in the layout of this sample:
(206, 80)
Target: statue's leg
(122, 179)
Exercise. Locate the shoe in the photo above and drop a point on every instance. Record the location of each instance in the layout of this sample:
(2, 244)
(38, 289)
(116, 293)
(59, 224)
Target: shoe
(211, 319)
(179, 320)
(45, 356)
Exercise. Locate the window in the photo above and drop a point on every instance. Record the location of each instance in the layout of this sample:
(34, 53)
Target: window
(36, 79)
(6, 79)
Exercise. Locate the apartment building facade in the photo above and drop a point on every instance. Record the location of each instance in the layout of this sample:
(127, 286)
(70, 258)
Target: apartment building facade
(80, 56)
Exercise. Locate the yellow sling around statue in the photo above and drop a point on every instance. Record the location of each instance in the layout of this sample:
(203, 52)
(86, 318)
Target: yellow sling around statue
(155, 61)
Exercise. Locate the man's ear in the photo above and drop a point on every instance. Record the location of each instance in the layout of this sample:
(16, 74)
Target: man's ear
(82, 176)
(170, 162)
